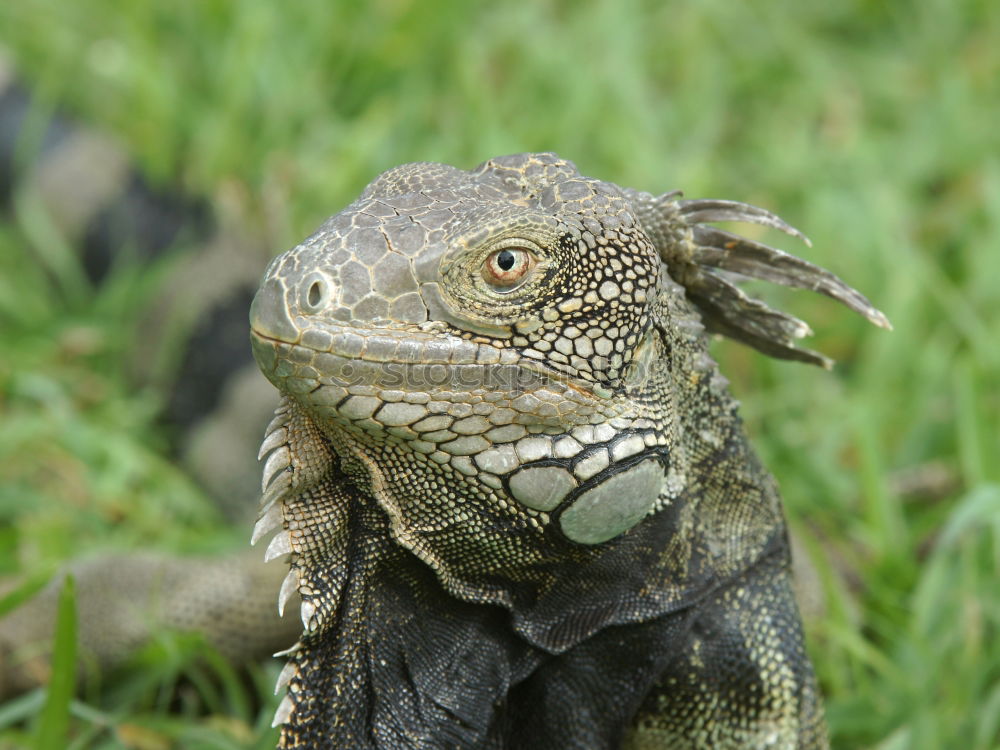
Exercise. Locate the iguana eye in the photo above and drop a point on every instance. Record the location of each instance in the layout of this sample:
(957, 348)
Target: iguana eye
(505, 269)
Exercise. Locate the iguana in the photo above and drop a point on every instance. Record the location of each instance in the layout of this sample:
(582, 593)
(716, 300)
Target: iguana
(519, 504)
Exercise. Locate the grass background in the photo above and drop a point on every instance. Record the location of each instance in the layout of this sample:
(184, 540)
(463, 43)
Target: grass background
(872, 126)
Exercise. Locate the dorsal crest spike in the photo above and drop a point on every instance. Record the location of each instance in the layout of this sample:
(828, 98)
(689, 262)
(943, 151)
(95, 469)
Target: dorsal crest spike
(708, 262)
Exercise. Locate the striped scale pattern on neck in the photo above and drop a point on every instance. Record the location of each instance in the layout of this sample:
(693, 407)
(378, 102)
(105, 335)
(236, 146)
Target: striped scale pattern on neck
(514, 492)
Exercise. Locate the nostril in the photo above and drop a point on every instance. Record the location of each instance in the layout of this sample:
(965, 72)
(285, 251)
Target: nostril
(315, 294)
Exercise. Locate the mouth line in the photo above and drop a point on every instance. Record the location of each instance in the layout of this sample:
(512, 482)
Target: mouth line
(270, 339)
(385, 345)
(344, 345)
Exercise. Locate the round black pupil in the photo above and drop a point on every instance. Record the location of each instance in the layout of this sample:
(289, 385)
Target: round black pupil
(506, 260)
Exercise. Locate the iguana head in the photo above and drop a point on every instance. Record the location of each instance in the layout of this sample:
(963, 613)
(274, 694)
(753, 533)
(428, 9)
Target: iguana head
(503, 349)
(504, 372)
(522, 255)
(491, 330)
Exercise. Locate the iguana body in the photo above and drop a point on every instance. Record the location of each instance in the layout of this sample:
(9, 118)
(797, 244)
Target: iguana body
(520, 507)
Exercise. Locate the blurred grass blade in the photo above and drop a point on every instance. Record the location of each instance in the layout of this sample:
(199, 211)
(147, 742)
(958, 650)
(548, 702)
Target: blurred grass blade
(978, 509)
(53, 723)
(20, 709)
(988, 727)
(22, 592)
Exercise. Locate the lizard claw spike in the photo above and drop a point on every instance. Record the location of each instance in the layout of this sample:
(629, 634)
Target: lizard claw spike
(280, 545)
(280, 419)
(699, 256)
(287, 672)
(284, 712)
(271, 519)
(277, 462)
(274, 439)
(730, 252)
(288, 587)
(704, 210)
(279, 487)
(291, 650)
(307, 611)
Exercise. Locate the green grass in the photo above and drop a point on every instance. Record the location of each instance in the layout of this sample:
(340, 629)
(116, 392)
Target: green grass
(52, 727)
(872, 126)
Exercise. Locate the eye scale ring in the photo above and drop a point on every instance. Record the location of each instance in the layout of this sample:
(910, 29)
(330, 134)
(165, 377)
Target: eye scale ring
(507, 268)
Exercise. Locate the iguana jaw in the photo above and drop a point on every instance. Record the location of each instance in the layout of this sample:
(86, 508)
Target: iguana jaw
(412, 359)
